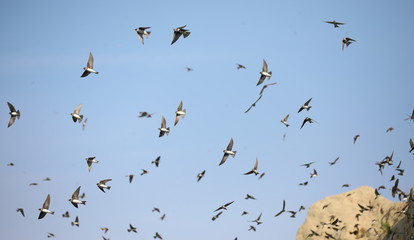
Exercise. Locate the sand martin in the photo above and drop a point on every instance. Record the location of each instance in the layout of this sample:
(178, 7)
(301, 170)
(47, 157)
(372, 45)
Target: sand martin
(252, 228)
(76, 117)
(45, 208)
(264, 73)
(132, 229)
(50, 235)
(257, 220)
(266, 86)
(89, 161)
(84, 124)
(155, 209)
(162, 217)
(248, 196)
(305, 106)
(335, 24)
(410, 117)
(130, 177)
(75, 198)
(346, 42)
(390, 129)
(163, 129)
(216, 216)
(228, 151)
(239, 66)
(262, 175)
(145, 114)
(157, 235)
(314, 173)
(21, 211)
(89, 67)
(13, 114)
(283, 209)
(309, 120)
(189, 69)
(76, 222)
(200, 175)
(144, 172)
(411, 145)
(101, 185)
(356, 137)
(156, 161)
(142, 31)
(105, 229)
(254, 169)
(66, 215)
(180, 113)
(244, 213)
(333, 163)
(307, 165)
(253, 104)
(224, 207)
(178, 32)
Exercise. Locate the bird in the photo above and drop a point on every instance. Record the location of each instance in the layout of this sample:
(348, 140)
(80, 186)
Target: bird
(244, 213)
(157, 235)
(395, 187)
(104, 238)
(10, 164)
(76, 222)
(356, 137)
(305, 106)
(390, 129)
(326, 205)
(145, 114)
(266, 86)
(50, 235)
(254, 169)
(265, 73)
(45, 208)
(33, 184)
(144, 172)
(216, 216)
(335, 24)
(21, 211)
(303, 184)
(102, 184)
(47, 179)
(156, 161)
(307, 165)
(178, 32)
(345, 185)
(89, 67)
(228, 151)
(84, 124)
(141, 32)
(307, 119)
(105, 229)
(252, 228)
(155, 209)
(189, 69)
(257, 220)
(75, 198)
(248, 196)
(284, 120)
(130, 176)
(333, 163)
(132, 229)
(224, 207)
(163, 129)
(253, 104)
(162, 217)
(89, 161)
(262, 175)
(82, 196)
(201, 175)
(13, 114)
(411, 145)
(240, 66)
(66, 215)
(180, 113)
(410, 117)
(283, 209)
(292, 214)
(314, 173)
(76, 117)
(346, 41)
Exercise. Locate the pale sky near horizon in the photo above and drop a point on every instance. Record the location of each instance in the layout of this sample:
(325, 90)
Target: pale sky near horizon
(364, 89)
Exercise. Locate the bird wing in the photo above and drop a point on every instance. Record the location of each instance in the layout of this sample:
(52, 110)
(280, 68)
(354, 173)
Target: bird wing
(304, 121)
(78, 109)
(307, 102)
(11, 121)
(163, 122)
(85, 73)
(105, 181)
(140, 37)
(261, 80)
(90, 61)
(11, 107)
(75, 194)
(264, 67)
(223, 160)
(176, 36)
(256, 164)
(180, 106)
(411, 144)
(230, 146)
(47, 202)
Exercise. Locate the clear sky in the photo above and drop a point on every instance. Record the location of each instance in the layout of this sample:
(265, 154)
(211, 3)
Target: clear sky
(363, 89)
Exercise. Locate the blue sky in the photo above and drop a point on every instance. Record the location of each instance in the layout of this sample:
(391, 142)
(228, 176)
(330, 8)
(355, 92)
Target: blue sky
(364, 90)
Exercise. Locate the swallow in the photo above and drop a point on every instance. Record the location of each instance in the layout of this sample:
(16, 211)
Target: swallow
(84, 124)
(180, 113)
(346, 42)
(155, 209)
(89, 67)
(101, 185)
(33, 184)
(283, 209)
(304, 183)
(144, 172)
(47, 179)
(178, 32)
(411, 145)
(228, 151)
(305, 106)
(13, 114)
(89, 161)
(253, 104)
(66, 215)
(10, 164)
(130, 176)
(252, 228)
(392, 178)
(240, 66)
(390, 129)
(328, 236)
(76, 222)
(335, 24)
(309, 120)
(345, 185)
(265, 73)
(224, 207)
(157, 235)
(254, 169)
(395, 188)
(162, 217)
(145, 114)
(284, 120)
(21, 211)
(307, 165)
(326, 205)
(76, 117)
(216, 216)
(410, 117)
(249, 197)
(333, 163)
(141, 32)
(105, 229)
(362, 209)
(262, 175)
(189, 69)
(244, 213)
(292, 214)
(163, 129)
(156, 161)
(266, 86)
(314, 174)
(50, 235)
(356, 137)
(82, 196)
(257, 220)
(75, 198)
(132, 228)
(200, 175)
(301, 208)
(45, 208)
(104, 238)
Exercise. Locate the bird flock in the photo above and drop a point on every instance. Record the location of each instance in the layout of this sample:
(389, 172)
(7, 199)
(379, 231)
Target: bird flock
(180, 113)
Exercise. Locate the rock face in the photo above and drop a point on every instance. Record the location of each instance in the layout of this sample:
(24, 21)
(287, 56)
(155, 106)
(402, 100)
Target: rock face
(359, 214)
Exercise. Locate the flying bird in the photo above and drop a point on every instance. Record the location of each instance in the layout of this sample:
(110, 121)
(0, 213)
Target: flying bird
(266, 86)
(145, 114)
(305, 106)
(47, 179)
(346, 42)
(244, 213)
(304, 183)
(178, 32)
(307, 165)
(76, 222)
(223, 207)
(180, 113)
(105, 229)
(76, 117)
(257, 220)
(201, 175)
(335, 24)
(390, 129)
(141, 32)
(163, 129)
(253, 104)
(89, 161)
(102, 184)
(84, 124)
(130, 176)
(45, 208)
(162, 217)
(132, 229)
(75, 198)
(21, 211)
(262, 175)
(156, 161)
(410, 117)
(50, 235)
(189, 69)
(248, 196)
(144, 172)
(155, 209)
(239, 66)
(307, 119)
(228, 151)
(284, 121)
(333, 163)
(314, 173)
(66, 215)
(411, 145)
(252, 228)
(89, 67)
(13, 114)
(157, 235)
(216, 216)
(254, 169)
(264, 73)
(283, 209)
(356, 137)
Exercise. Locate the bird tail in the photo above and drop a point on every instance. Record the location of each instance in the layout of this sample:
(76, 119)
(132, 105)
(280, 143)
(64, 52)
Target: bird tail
(168, 131)
(109, 187)
(84, 202)
(186, 34)
(309, 107)
(18, 114)
(71, 223)
(185, 112)
(148, 33)
(96, 72)
(234, 153)
(270, 73)
(52, 213)
(129, 230)
(81, 118)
